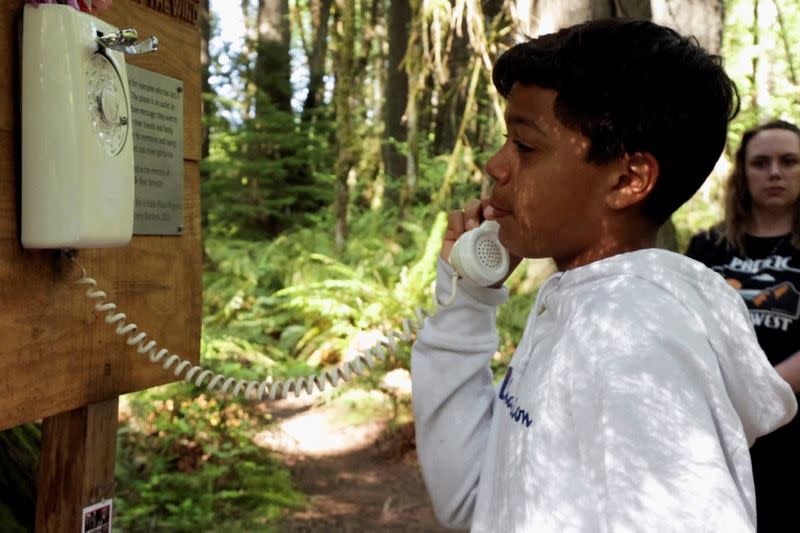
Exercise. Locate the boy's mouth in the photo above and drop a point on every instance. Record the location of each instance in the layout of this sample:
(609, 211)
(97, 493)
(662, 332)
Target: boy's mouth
(497, 212)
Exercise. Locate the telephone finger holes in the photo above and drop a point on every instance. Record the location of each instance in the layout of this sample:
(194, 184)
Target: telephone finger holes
(107, 105)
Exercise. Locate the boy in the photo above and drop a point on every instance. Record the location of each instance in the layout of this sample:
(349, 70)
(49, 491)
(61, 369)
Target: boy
(638, 384)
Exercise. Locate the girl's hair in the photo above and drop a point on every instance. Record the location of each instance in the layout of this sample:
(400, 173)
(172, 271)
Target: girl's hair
(738, 203)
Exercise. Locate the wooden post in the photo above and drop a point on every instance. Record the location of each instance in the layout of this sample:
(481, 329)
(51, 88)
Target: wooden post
(77, 464)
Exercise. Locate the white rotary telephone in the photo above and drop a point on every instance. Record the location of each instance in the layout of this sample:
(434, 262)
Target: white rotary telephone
(77, 150)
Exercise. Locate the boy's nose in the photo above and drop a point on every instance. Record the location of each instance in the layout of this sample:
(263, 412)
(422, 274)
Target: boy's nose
(496, 169)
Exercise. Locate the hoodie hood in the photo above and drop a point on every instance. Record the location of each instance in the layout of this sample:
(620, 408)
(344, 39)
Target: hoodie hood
(761, 398)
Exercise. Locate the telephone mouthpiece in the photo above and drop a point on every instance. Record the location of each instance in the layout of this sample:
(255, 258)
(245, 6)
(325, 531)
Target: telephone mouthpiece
(479, 256)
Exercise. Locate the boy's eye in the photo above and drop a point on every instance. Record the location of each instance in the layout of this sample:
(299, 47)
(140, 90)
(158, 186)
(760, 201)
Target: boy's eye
(523, 148)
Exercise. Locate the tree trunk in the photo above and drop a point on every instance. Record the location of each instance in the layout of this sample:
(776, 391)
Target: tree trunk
(412, 154)
(754, 85)
(701, 18)
(454, 90)
(395, 165)
(205, 38)
(320, 14)
(272, 73)
(486, 130)
(548, 16)
(343, 66)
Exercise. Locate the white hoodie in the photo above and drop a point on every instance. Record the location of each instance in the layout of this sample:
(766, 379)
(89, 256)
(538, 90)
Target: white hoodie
(629, 405)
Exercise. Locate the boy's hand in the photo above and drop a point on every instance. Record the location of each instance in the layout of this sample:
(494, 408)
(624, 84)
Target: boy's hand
(469, 218)
(459, 222)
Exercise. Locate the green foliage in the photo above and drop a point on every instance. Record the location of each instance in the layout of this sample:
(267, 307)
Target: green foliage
(20, 448)
(189, 464)
(289, 306)
(262, 175)
(289, 298)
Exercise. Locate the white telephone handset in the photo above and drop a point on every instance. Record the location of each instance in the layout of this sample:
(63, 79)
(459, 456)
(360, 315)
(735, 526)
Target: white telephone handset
(478, 255)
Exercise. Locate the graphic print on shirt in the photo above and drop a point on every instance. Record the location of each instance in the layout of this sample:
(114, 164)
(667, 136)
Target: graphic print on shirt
(773, 304)
(517, 413)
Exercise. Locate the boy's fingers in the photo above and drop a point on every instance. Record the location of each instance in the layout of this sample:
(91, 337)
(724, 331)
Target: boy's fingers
(455, 224)
(455, 227)
(460, 221)
(484, 206)
(456, 221)
(472, 214)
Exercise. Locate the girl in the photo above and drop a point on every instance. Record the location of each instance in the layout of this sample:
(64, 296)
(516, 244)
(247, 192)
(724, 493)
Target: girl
(757, 250)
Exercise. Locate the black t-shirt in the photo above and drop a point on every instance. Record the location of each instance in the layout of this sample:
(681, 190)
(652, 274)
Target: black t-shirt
(767, 277)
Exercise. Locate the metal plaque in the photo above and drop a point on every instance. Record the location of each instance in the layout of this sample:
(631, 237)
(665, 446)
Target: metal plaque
(157, 125)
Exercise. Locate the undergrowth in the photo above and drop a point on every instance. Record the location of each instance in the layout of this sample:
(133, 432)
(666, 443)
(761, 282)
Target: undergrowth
(287, 307)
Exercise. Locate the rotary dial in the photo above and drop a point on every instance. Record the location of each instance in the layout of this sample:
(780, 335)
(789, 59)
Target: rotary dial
(108, 110)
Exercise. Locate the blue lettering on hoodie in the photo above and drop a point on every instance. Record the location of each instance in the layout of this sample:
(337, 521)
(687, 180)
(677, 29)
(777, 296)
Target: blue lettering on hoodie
(517, 413)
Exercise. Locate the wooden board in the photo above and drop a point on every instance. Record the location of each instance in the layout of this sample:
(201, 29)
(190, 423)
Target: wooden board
(77, 465)
(56, 354)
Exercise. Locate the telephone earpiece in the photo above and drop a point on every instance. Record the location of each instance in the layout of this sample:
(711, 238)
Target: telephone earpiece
(478, 255)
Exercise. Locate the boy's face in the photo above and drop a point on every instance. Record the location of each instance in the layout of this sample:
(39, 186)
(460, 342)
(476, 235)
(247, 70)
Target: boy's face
(548, 200)
(773, 169)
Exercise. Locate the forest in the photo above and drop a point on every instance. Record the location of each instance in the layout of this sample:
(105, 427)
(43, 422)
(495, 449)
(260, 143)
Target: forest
(338, 133)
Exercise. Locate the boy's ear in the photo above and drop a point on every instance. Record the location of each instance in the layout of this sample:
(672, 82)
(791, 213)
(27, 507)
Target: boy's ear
(634, 183)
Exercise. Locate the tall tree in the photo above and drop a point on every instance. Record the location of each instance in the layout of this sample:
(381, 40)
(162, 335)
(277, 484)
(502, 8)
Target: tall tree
(471, 111)
(547, 16)
(272, 70)
(454, 86)
(701, 18)
(394, 109)
(205, 54)
(342, 96)
(320, 14)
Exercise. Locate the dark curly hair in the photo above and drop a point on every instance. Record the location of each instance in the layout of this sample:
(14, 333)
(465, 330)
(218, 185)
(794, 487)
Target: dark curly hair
(633, 86)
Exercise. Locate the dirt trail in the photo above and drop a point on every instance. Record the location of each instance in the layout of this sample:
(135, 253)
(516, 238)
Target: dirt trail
(358, 477)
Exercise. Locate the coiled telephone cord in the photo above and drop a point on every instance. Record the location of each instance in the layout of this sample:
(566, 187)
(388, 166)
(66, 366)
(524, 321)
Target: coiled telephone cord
(271, 387)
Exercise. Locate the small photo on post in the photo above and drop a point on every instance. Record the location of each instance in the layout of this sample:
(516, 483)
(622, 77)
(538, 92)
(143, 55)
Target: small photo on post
(97, 518)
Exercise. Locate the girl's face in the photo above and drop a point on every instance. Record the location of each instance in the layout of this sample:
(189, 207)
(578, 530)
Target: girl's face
(772, 167)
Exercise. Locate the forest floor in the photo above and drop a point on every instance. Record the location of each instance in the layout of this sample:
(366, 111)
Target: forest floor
(358, 470)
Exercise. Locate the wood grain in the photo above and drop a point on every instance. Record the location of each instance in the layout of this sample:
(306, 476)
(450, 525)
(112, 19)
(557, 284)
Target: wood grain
(77, 465)
(57, 354)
